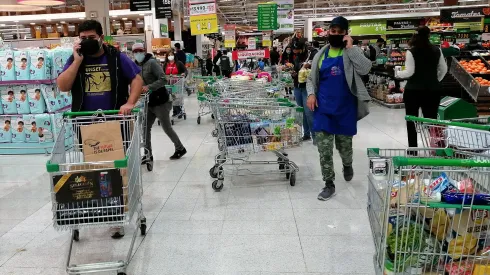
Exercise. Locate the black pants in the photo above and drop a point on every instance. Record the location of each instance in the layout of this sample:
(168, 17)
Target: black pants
(226, 73)
(427, 100)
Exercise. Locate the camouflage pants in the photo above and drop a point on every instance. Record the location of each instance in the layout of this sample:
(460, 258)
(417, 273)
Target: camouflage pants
(325, 143)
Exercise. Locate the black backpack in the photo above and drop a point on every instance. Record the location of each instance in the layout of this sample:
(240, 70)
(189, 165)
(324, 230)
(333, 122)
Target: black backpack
(158, 97)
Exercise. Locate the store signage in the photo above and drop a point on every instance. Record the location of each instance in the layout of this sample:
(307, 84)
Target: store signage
(461, 15)
(163, 9)
(204, 8)
(267, 17)
(368, 27)
(140, 5)
(204, 24)
(164, 30)
(250, 53)
(403, 24)
(230, 38)
(266, 40)
(252, 43)
(285, 16)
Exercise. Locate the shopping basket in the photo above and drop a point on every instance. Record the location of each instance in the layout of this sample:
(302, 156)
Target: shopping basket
(78, 203)
(176, 85)
(245, 128)
(444, 133)
(426, 213)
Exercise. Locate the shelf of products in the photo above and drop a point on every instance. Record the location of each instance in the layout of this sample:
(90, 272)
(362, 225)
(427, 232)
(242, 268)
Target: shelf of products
(385, 90)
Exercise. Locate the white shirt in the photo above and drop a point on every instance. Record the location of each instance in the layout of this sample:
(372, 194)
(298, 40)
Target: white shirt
(410, 67)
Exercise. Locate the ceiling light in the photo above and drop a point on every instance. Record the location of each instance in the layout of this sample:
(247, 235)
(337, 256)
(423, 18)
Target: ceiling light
(33, 23)
(41, 2)
(114, 16)
(62, 22)
(2, 25)
(11, 5)
(82, 18)
(142, 14)
(124, 19)
(16, 21)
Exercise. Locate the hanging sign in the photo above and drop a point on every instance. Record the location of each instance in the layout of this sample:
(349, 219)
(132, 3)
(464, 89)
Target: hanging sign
(462, 15)
(250, 53)
(266, 40)
(252, 45)
(403, 24)
(230, 39)
(285, 16)
(140, 5)
(267, 17)
(368, 27)
(204, 8)
(204, 24)
(164, 30)
(163, 9)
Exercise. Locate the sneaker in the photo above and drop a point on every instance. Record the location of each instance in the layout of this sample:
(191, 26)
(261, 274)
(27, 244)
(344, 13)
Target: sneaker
(348, 173)
(178, 153)
(117, 232)
(327, 192)
(306, 138)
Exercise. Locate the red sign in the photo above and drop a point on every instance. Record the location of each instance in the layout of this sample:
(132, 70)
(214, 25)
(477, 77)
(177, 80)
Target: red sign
(230, 27)
(250, 54)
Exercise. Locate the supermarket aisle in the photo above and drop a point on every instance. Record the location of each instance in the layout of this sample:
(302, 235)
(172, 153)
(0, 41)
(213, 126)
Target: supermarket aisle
(256, 225)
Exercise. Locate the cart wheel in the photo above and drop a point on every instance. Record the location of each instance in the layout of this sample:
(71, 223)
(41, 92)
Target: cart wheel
(214, 133)
(143, 229)
(217, 185)
(288, 172)
(172, 121)
(149, 166)
(198, 120)
(212, 116)
(213, 173)
(185, 116)
(76, 235)
(281, 163)
(292, 179)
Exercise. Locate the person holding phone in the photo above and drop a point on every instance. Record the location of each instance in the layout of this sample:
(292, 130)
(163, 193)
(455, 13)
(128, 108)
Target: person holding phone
(338, 98)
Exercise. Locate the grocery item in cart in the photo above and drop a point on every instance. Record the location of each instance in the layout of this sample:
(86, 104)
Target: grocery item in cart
(8, 100)
(18, 130)
(102, 141)
(5, 129)
(459, 268)
(408, 237)
(472, 224)
(21, 99)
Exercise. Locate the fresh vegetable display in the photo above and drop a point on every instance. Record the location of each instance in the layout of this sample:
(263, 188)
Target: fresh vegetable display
(482, 81)
(476, 66)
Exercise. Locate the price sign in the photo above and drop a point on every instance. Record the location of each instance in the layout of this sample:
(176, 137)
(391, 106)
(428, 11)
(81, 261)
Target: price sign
(163, 9)
(200, 9)
(267, 17)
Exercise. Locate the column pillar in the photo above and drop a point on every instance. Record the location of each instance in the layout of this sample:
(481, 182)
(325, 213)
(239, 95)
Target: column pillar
(99, 10)
(177, 27)
(199, 39)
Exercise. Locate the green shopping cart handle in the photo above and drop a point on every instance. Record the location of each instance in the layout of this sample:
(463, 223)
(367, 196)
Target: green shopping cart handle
(90, 113)
(448, 123)
(403, 161)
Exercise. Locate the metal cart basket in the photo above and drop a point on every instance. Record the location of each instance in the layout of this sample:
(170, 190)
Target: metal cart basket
(245, 128)
(176, 84)
(143, 106)
(426, 212)
(108, 209)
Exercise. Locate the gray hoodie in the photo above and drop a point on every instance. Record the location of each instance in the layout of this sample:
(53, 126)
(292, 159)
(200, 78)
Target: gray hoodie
(152, 73)
(355, 65)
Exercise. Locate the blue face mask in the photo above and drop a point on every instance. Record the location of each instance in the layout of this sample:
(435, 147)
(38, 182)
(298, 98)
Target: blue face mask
(139, 57)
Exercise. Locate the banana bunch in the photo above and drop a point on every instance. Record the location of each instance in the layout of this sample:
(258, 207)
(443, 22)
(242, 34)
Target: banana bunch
(439, 224)
(462, 246)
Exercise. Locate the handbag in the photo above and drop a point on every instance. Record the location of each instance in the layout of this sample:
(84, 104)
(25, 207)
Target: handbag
(158, 97)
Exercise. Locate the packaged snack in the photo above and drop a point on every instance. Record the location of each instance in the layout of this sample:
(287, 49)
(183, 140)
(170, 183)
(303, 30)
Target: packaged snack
(439, 185)
(7, 65)
(22, 65)
(466, 199)
(21, 99)
(51, 96)
(8, 100)
(40, 64)
(5, 129)
(30, 125)
(467, 229)
(18, 130)
(44, 127)
(459, 268)
(37, 105)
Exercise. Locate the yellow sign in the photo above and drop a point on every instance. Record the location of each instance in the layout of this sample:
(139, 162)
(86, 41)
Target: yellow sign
(230, 43)
(204, 24)
(266, 43)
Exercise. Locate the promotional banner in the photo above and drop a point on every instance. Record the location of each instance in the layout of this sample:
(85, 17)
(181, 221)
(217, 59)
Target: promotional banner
(204, 24)
(164, 29)
(250, 53)
(368, 27)
(230, 39)
(252, 45)
(267, 17)
(140, 5)
(204, 8)
(462, 15)
(404, 24)
(266, 40)
(163, 9)
(285, 16)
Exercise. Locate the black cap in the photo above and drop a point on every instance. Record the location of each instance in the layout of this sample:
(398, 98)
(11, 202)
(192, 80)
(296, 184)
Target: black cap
(341, 22)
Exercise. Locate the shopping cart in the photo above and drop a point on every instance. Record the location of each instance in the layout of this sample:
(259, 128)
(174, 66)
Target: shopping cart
(245, 128)
(426, 212)
(142, 105)
(176, 84)
(205, 93)
(116, 205)
(455, 134)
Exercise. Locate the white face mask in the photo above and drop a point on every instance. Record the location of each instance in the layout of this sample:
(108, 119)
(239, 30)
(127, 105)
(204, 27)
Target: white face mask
(171, 58)
(139, 57)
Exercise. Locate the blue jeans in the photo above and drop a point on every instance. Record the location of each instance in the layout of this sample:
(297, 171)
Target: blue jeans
(301, 96)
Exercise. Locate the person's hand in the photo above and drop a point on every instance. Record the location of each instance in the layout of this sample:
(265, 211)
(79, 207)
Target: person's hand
(126, 109)
(145, 89)
(349, 40)
(76, 48)
(311, 102)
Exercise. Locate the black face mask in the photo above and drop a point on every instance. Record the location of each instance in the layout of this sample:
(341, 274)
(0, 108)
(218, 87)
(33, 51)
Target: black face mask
(336, 41)
(89, 46)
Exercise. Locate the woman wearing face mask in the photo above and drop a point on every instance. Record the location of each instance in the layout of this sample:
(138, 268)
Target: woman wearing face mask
(173, 67)
(159, 104)
(338, 98)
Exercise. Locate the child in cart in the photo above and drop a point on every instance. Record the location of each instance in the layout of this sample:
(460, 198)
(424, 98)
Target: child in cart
(95, 83)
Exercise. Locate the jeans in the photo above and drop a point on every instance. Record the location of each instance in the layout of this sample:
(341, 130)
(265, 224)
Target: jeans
(162, 112)
(301, 96)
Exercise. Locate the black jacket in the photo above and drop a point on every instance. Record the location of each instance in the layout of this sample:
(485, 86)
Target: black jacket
(180, 54)
(313, 52)
(119, 83)
(274, 58)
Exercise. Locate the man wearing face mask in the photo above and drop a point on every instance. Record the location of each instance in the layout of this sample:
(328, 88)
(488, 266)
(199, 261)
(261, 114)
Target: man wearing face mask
(338, 98)
(98, 75)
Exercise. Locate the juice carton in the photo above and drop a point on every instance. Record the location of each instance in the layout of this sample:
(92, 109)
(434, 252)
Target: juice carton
(21, 99)
(7, 65)
(22, 65)
(8, 100)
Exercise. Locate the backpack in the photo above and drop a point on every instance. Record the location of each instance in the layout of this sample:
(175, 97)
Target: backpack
(225, 63)
(372, 53)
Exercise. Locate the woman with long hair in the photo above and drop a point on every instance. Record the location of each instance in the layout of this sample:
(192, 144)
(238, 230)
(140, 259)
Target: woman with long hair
(425, 68)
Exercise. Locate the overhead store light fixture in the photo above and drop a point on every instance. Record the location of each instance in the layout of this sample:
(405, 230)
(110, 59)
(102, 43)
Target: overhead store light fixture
(11, 5)
(41, 2)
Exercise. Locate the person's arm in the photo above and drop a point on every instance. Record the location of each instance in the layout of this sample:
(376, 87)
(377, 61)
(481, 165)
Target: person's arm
(409, 66)
(131, 72)
(218, 62)
(66, 79)
(157, 71)
(441, 68)
(362, 65)
(135, 89)
(181, 68)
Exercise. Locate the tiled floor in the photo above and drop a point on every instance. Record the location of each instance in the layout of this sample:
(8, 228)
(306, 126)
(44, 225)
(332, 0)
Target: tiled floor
(256, 225)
